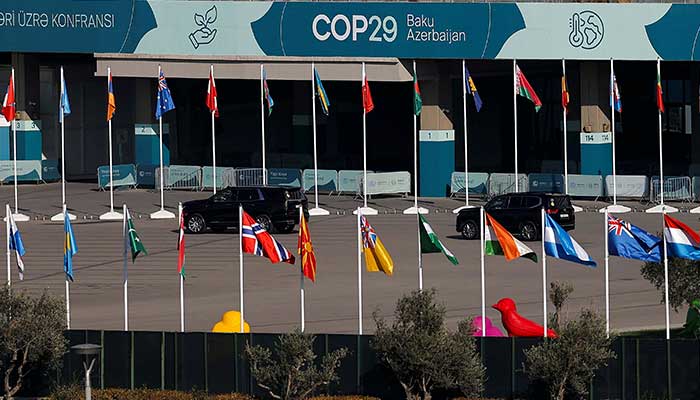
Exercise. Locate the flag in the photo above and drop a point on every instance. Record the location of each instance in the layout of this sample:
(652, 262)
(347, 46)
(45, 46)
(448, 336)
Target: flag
(111, 102)
(471, 89)
(681, 241)
(659, 92)
(70, 247)
(16, 244)
(9, 105)
(564, 94)
(321, 93)
(628, 241)
(523, 88)
(417, 100)
(376, 257)
(430, 243)
(499, 242)
(256, 240)
(65, 104)
(133, 238)
(266, 92)
(306, 250)
(367, 103)
(164, 102)
(212, 102)
(181, 247)
(558, 244)
(615, 97)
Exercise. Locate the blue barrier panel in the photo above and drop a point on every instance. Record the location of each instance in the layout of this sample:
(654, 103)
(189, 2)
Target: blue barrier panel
(284, 177)
(585, 185)
(389, 183)
(183, 177)
(224, 177)
(123, 175)
(349, 180)
(550, 183)
(327, 180)
(627, 185)
(505, 183)
(477, 182)
(27, 171)
(146, 174)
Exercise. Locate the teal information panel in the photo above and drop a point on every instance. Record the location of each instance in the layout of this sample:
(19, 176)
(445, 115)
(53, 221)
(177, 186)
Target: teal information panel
(596, 153)
(147, 141)
(123, 175)
(28, 140)
(4, 139)
(437, 161)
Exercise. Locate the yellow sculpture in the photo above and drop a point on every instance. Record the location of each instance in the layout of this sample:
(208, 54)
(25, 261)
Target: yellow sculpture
(231, 323)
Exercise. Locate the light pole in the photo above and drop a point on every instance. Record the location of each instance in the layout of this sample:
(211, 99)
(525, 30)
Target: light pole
(89, 353)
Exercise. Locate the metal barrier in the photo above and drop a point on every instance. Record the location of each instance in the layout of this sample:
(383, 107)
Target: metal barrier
(675, 188)
(505, 183)
(248, 177)
(180, 177)
(225, 177)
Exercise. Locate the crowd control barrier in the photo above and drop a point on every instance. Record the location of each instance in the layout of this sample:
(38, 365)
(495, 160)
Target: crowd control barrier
(284, 177)
(122, 175)
(180, 177)
(505, 183)
(630, 186)
(478, 183)
(146, 175)
(27, 171)
(675, 188)
(49, 171)
(585, 185)
(388, 183)
(549, 183)
(349, 181)
(327, 180)
(248, 176)
(225, 177)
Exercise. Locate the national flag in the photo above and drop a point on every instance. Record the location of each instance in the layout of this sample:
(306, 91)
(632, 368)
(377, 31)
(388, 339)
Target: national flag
(111, 102)
(9, 104)
(559, 244)
(564, 94)
(376, 257)
(628, 241)
(65, 104)
(681, 241)
(212, 102)
(499, 242)
(523, 88)
(306, 250)
(659, 91)
(615, 97)
(16, 244)
(70, 247)
(417, 99)
(321, 93)
(471, 89)
(135, 244)
(430, 243)
(266, 92)
(164, 102)
(256, 240)
(181, 247)
(367, 103)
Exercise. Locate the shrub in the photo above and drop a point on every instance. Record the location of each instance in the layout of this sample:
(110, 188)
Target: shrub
(75, 392)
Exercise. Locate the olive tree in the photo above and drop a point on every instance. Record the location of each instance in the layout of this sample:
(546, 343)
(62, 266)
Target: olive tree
(683, 280)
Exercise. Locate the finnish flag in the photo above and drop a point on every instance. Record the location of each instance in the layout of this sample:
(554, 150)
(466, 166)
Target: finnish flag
(558, 244)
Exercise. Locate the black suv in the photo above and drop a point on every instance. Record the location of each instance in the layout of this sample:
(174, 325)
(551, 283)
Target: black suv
(520, 214)
(274, 208)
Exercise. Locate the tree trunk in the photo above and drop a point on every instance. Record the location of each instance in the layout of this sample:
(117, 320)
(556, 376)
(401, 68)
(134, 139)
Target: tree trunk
(561, 390)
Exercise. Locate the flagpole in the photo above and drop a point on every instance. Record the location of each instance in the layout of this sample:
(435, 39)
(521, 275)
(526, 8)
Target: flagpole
(483, 279)
(359, 272)
(515, 120)
(126, 271)
(240, 263)
(111, 215)
(60, 216)
(365, 209)
(301, 280)
(182, 279)
(566, 148)
(213, 136)
(666, 305)
(612, 129)
(415, 209)
(466, 151)
(7, 236)
(67, 286)
(544, 274)
(262, 120)
(607, 275)
(17, 216)
(316, 210)
(162, 213)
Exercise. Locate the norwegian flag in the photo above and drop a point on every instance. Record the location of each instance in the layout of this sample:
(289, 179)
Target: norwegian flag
(181, 247)
(256, 240)
(8, 105)
(212, 103)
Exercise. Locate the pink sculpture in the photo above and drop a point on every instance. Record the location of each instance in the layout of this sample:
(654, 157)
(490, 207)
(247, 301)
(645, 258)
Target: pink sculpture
(490, 329)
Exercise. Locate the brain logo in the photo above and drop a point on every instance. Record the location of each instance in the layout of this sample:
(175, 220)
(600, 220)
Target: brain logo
(586, 30)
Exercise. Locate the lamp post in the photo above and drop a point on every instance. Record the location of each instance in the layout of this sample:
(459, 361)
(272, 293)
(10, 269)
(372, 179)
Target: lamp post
(89, 353)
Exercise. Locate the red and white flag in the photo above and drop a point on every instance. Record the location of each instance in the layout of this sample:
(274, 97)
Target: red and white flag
(181, 247)
(211, 95)
(258, 241)
(9, 107)
(367, 103)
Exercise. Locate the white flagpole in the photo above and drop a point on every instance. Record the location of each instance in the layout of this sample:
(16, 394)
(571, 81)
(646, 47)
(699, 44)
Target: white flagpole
(301, 281)
(240, 264)
(17, 216)
(126, 270)
(614, 207)
(666, 305)
(566, 148)
(162, 213)
(466, 146)
(8, 212)
(420, 256)
(365, 209)
(544, 275)
(262, 121)
(213, 136)
(359, 272)
(415, 209)
(67, 289)
(111, 215)
(515, 120)
(60, 216)
(316, 210)
(483, 279)
(182, 280)
(607, 276)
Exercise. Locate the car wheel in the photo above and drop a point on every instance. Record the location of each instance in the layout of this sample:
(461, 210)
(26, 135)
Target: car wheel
(265, 221)
(196, 224)
(469, 230)
(528, 231)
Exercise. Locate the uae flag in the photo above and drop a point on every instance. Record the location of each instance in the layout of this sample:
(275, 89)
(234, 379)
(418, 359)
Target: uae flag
(499, 242)
(523, 88)
(430, 242)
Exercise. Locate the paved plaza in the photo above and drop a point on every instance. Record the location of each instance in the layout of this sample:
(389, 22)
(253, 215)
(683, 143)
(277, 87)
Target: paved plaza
(272, 291)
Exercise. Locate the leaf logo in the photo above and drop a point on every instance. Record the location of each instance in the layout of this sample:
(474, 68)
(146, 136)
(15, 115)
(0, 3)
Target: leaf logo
(204, 34)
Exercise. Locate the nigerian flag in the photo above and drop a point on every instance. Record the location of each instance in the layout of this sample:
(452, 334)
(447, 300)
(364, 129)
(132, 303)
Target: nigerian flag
(132, 237)
(430, 243)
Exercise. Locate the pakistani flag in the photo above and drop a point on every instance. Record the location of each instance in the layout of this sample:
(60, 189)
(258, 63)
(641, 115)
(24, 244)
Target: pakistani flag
(133, 238)
(430, 243)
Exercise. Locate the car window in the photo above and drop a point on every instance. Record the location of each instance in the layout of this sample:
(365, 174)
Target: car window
(248, 195)
(515, 202)
(497, 203)
(222, 197)
(531, 202)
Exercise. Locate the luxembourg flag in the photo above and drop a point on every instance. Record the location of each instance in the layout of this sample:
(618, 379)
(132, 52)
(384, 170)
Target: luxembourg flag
(558, 244)
(681, 241)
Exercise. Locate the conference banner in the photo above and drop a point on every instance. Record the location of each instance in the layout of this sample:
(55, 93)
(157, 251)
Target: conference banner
(584, 31)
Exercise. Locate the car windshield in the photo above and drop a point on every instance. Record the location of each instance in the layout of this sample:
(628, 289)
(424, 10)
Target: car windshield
(497, 203)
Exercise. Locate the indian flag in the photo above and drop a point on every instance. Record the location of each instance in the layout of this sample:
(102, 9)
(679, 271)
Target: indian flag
(499, 242)
(430, 242)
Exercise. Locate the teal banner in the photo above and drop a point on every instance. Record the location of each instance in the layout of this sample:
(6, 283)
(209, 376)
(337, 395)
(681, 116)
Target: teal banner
(122, 175)
(284, 177)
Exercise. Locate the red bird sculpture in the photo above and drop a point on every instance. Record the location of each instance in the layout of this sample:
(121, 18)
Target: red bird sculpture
(516, 324)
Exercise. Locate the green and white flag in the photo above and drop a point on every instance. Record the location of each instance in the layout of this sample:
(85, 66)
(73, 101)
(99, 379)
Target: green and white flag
(430, 243)
(133, 238)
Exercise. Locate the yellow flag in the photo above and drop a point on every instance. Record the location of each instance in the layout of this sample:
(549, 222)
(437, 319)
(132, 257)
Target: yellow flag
(376, 257)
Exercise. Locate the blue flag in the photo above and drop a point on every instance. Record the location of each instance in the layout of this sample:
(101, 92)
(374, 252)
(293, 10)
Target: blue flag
(471, 89)
(70, 248)
(628, 241)
(16, 243)
(558, 244)
(164, 102)
(65, 104)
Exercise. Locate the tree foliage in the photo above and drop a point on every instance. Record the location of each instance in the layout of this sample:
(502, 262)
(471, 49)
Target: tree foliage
(423, 354)
(559, 293)
(289, 371)
(31, 336)
(569, 362)
(683, 280)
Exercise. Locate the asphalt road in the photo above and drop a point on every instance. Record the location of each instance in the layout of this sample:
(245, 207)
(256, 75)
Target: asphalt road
(272, 291)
